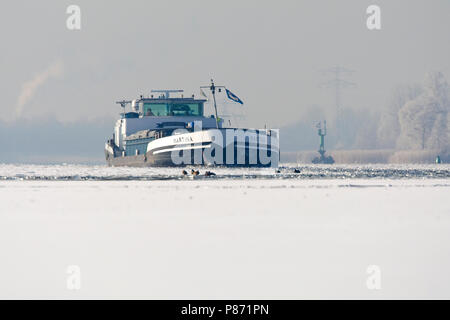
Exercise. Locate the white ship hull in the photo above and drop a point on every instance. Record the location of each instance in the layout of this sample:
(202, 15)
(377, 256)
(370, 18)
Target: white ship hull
(220, 147)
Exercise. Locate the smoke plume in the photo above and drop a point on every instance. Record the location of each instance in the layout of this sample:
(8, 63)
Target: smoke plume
(30, 87)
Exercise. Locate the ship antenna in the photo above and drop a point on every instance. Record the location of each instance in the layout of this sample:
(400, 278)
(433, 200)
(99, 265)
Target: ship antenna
(167, 92)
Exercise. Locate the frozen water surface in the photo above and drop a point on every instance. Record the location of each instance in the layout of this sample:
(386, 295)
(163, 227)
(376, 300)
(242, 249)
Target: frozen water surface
(244, 233)
(80, 172)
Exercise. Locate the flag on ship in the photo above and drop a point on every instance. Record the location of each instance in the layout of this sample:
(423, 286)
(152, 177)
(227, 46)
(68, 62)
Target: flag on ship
(233, 97)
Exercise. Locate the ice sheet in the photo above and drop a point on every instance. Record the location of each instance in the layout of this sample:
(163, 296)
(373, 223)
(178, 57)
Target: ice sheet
(223, 238)
(68, 172)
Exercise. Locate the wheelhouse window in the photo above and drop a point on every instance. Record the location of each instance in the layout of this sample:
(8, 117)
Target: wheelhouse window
(155, 109)
(173, 109)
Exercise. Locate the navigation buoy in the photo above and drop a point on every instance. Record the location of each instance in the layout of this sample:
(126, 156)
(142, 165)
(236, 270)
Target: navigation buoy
(323, 159)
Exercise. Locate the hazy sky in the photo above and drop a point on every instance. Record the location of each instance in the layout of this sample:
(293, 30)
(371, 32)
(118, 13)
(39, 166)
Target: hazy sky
(269, 53)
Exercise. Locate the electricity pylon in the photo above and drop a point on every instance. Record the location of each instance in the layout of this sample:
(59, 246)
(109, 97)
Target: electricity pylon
(337, 83)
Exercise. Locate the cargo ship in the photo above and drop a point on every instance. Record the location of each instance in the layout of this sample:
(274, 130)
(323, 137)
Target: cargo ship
(167, 130)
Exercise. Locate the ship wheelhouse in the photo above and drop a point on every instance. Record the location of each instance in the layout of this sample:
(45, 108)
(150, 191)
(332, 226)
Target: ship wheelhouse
(151, 118)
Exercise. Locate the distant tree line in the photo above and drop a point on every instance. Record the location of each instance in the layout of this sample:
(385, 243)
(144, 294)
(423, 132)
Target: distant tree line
(416, 117)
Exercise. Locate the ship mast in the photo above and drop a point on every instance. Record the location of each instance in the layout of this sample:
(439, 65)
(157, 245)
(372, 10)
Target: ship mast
(213, 87)
(123, 103)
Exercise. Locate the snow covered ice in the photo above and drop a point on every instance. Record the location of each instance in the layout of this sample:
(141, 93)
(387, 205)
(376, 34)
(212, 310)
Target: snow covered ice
(67, 172)
(245, 233)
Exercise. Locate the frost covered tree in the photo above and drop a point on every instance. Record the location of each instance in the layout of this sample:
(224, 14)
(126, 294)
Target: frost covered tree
(389, 126)
(416, 119)
(424, 120)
